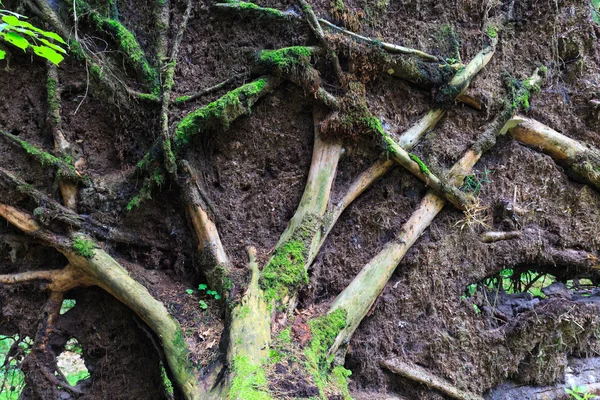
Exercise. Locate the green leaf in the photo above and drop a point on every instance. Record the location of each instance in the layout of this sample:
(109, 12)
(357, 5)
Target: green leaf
(48, 53)
(217, 296)
(14, 21)
(52, 45)
(2, 54)
(203, 305)
(202, 286)
(16, 40)
(189, 291)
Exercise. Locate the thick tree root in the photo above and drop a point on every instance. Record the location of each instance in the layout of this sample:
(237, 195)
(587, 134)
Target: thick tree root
(421, 375)
(102, 270)
(581, 162)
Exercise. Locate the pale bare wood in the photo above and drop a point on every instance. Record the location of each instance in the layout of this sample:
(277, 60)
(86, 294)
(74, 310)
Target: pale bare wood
(581, 161)
(421, 375)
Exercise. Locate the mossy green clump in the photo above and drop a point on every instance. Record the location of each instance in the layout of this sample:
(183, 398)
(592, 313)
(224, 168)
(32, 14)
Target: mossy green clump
(339, 379)
(374, 124)
(85, 247)
(492, 31)
(422, 166)
(52, 97)
(285, 272)
(249, 380)
(285, 335)
(220, 113)
(182, 99)
(265, 11)
(63, 169)
(128, 44)
(324, 331)
(285, 58)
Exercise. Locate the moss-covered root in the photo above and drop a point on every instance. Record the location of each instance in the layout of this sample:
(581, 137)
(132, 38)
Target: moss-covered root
(63, 169)
(462, 79)
(128, 44)
(62, 146)
(421, 375)
(285, 272)
(255, 10)
(223, 111)
(249, 337)
(167, 87)
(112, 277)
(582, 162)
(414, 165)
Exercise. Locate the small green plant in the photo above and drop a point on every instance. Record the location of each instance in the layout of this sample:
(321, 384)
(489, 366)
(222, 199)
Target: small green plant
(203, 304)
(22, 34)
(189, 291)
(579, 393)
(84, 247)
(474, 182)
(212, 293)
(66, 305)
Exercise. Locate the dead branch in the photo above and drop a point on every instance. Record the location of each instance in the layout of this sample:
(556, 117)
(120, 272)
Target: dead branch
(421, 375)
(582, 162)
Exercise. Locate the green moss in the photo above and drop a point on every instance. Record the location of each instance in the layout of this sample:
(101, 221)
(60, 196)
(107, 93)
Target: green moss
(324, 330)
(96, 71)
(286, 335)
(84, 247)
(158, 177)
(220, 113)
(492, 31)
(126, 41)
(249, 380)
(286, 57)
(244, 311)
(270, 12)
(149, 97)
(374, 124)
(51, 89)
(422, 165)
(285, 272)
(182, 99)
(339, 379)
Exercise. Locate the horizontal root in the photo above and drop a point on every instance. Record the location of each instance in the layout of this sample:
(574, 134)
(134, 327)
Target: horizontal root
(421, 375)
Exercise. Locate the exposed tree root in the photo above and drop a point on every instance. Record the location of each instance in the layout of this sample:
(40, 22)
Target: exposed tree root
(209, 90)
(63, 169)
(62, 147)
(421, 375)
(102, 270)
(169, 157)
(491, 237)
(215, 261)
(582, 162)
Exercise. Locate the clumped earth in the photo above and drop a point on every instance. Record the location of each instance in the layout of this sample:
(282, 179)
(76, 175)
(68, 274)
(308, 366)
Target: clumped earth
(255, 174)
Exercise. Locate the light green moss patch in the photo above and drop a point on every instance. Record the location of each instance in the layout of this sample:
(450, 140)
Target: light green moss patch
(84, 247)
(285, 272)
(221, 112)
(249, 381)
